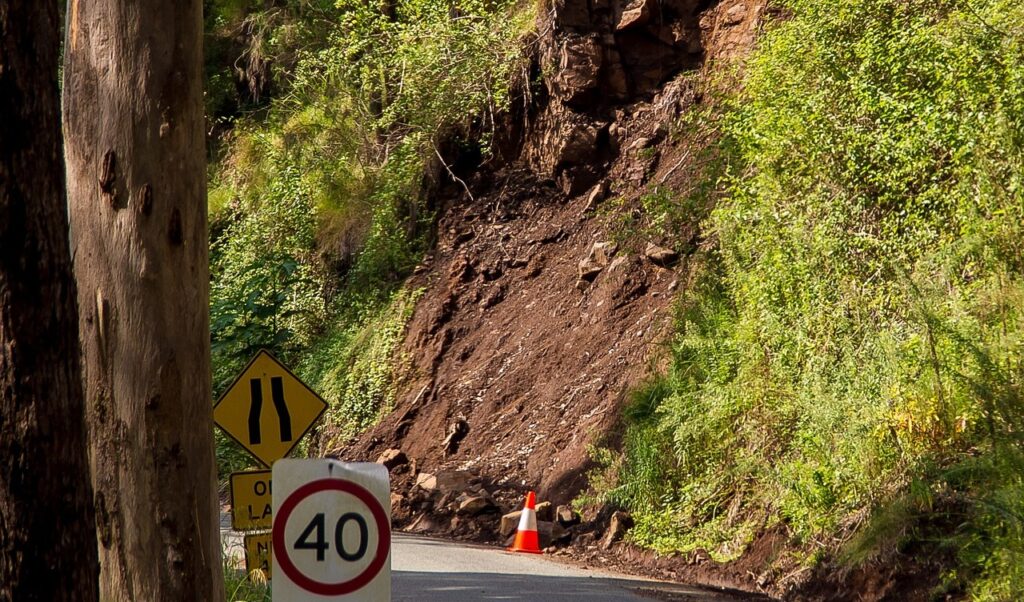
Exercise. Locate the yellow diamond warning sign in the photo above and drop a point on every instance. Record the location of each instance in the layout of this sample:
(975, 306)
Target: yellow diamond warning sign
(251, 503)
(267, 409)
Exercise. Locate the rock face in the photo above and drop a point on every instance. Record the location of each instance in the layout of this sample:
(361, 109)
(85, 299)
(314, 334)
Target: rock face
(580, 59)
(617, 527)
(734, 16)
(601, 53)
(643, 42)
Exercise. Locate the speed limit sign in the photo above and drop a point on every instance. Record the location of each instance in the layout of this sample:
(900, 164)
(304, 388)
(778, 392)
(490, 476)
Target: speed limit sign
(332, 531)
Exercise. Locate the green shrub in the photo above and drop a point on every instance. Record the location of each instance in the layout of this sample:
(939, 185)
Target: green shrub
(356, 366)
(857, 326)
(316, 204)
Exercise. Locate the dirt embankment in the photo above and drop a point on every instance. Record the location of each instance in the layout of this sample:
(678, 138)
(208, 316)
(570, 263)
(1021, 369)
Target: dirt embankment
(531, 330)
(534, 323)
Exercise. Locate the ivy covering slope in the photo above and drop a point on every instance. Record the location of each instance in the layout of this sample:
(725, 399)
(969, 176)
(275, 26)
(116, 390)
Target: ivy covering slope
(316, 197)
(850, 361)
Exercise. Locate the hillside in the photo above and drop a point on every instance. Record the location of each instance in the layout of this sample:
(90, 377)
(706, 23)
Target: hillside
(747, 270)
(540, 309)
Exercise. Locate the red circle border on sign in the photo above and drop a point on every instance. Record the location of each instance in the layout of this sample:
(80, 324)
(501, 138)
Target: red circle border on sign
(282, 560)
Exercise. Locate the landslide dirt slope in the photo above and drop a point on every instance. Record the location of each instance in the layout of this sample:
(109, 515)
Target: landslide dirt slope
(508, 348)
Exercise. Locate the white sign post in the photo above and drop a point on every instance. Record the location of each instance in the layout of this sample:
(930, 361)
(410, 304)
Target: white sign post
(332, 531)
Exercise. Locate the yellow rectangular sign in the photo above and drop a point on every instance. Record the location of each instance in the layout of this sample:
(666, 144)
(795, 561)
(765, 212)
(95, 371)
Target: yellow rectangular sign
(251, 503)
(258, 554)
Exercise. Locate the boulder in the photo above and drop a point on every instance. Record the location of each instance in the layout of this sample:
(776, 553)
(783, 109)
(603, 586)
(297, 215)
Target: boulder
(602, 252)
(471, 505)
(545, 511)
(598, 258)
(617, 527)
(566, 517)
(550, 533)
(426, 481)
(574, 180)
(660, 255)
(455, 481)
(635, 14)
(618, 263)
(588, 270)
(456, 432)
(495, 296)
(424, 523)
(509, 523)
(446, 498)
(640, 144)
(392, 458)
(597, 194)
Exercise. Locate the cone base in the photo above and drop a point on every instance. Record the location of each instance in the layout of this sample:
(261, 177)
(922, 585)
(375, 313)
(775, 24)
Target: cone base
(515, 551)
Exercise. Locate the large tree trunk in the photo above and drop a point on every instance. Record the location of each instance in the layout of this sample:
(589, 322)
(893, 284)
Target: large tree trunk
(137, 187)
(47, 532)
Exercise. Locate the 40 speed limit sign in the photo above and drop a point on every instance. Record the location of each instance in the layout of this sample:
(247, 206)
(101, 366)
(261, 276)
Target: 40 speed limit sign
(332, 531)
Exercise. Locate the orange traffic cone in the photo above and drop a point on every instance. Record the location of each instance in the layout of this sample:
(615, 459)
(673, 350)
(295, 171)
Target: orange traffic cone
(526, 537)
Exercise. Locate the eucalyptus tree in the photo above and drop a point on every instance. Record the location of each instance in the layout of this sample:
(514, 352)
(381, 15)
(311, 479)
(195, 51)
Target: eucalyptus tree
(133, 124)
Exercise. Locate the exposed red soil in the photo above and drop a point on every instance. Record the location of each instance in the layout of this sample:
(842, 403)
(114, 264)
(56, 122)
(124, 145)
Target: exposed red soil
(505, 341)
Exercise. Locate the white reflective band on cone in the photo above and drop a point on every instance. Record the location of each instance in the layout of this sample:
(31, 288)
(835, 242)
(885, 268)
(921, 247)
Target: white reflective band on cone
(528, 520)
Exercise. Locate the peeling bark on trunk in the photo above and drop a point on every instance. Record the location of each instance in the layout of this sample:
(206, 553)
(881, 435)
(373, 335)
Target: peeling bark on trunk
(137, 189)
(47, 535)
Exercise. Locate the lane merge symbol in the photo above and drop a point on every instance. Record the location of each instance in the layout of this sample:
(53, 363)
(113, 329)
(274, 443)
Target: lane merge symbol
(256, 409)
(268, 433)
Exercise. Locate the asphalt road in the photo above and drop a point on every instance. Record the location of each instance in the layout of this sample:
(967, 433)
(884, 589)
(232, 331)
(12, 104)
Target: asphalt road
(431, 570)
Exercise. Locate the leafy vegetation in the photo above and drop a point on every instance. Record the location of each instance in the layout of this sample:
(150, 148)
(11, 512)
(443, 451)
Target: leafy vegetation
(241, 587)
(850, 359)
(331, 117)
